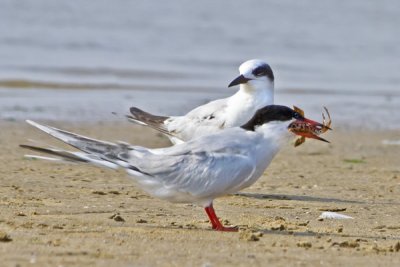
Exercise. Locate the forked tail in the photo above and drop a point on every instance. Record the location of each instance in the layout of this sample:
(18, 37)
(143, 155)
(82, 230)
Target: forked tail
(95, 152)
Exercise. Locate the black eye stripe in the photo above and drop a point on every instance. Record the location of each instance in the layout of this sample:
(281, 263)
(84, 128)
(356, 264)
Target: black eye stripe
(259, 71)
(264, 70)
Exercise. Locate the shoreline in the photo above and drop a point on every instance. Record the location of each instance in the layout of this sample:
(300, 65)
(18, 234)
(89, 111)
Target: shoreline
(349, 112)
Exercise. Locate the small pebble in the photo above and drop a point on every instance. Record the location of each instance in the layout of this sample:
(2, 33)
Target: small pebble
(117, 217)
(4, 237)
(304, 244)
(397, 247)
(250, 236)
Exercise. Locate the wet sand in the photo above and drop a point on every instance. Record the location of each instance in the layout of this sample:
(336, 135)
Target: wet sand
(77, 215)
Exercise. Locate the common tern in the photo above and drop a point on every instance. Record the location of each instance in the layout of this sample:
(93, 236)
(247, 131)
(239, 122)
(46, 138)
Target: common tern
(256, 90)
(197, 171)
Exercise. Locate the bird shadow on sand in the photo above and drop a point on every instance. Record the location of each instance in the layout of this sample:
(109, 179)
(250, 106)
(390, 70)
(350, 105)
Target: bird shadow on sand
(315, 234)
(298, 198)
(267, 232)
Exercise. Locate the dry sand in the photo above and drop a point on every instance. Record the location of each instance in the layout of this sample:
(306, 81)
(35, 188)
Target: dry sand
(77, 215)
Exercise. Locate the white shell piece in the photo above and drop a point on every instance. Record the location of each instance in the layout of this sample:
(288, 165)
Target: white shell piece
(334, 215)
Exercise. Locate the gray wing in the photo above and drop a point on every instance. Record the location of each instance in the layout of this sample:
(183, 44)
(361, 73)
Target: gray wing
(202, 120)
(191, 168)
(201, 174)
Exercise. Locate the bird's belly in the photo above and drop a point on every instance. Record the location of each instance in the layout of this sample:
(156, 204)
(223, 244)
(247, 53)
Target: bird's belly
(159, 190)
(262, 164)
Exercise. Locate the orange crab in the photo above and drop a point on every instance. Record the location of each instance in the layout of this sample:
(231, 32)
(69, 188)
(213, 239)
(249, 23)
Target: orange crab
(311, 131)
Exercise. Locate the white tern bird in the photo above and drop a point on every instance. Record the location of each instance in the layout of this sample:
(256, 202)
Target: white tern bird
(256, 82)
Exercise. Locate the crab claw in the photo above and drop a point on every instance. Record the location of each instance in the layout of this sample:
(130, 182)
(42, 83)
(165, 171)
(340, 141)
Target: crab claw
(299, 141)
(298, 110)
(326, 124)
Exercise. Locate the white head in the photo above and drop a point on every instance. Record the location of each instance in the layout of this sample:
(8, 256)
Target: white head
(255, 74)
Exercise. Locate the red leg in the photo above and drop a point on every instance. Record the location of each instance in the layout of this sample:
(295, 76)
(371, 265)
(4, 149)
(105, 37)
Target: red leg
(210, 216)
(216, 224)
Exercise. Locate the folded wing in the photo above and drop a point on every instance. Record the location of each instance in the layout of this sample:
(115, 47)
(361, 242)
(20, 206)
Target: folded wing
(190, 170)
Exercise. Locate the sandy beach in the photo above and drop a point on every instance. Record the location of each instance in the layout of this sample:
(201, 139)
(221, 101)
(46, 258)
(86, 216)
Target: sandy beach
(77, 215)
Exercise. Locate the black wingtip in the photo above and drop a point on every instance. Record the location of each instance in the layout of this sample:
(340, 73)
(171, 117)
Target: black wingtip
(146, 117)
(135, 110)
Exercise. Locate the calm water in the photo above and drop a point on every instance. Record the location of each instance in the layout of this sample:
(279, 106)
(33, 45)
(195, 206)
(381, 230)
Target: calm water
(342, 53)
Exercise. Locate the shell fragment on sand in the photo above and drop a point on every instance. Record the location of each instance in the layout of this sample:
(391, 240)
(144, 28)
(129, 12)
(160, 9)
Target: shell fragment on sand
(334, 215)
(391, 142)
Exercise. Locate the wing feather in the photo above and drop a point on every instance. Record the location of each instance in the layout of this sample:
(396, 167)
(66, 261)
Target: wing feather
(201, 174)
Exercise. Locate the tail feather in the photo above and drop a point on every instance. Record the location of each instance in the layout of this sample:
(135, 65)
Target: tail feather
(69, 156)
(55, 152)
(28, 156)
(96, 151)
(144, 118)
(80, 142)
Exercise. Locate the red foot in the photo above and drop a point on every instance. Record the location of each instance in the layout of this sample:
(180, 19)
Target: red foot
(216, 224)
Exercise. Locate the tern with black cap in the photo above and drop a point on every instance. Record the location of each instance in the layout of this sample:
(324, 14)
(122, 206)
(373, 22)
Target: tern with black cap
(197, 171)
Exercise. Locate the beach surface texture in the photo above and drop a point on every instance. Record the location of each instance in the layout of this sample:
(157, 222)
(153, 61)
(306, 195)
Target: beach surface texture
(74, 215)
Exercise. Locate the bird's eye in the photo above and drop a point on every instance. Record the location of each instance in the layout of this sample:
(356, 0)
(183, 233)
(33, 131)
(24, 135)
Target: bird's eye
(296, 116)
(260, 71)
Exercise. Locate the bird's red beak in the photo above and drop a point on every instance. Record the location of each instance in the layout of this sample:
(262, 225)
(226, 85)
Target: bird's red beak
(308, 128)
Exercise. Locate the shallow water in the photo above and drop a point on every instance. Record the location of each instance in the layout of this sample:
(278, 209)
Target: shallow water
(327, 51)
(348, 112)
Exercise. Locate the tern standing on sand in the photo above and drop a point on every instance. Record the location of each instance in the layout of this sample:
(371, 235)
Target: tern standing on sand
(200, 170)
(256, 81)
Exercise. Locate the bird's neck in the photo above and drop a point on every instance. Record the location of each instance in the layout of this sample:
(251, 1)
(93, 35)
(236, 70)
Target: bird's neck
(262, 89)
(245, 102)
(275, 133)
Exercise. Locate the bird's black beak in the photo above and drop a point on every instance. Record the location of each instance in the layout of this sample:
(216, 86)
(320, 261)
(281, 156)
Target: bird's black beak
(239, 80)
